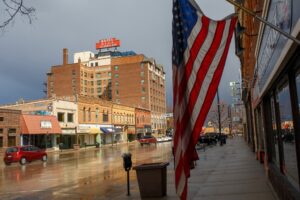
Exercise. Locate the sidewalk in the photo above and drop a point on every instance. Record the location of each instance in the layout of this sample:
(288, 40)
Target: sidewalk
(228, 172)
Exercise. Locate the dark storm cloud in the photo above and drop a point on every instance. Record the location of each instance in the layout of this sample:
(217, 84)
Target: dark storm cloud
(144, 26)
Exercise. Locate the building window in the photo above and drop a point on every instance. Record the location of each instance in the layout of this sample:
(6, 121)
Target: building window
(92, 64)
(96, 64)
(117, 92)
(142, 74)
(85, 82)
(99, 82)
(109, 74)
(1, 119)
(117, 83)
(85, 74)
(70, 117)
(99, 89)
(143, 98)
(1, 130)
(61, 117)
(287, 134)
(105, 117)
(116, 67)
(143, 89)
(73, 72)
(97, 114)
(98, 75)
(89, 115)
(116, 75)
(142, 82)
(84, 115)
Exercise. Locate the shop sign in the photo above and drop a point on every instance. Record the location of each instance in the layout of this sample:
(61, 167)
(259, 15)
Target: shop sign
(273, 42)
(46, 124)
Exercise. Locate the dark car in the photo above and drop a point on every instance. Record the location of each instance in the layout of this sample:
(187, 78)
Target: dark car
(147, 139)
(24, 154)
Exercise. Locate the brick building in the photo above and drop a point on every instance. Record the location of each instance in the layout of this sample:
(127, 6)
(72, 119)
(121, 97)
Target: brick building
(9, 127)
(125, 78)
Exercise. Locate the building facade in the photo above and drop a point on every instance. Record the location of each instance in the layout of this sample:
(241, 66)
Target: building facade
(10, 127)
(95, 121)
(124, 123)
(125, 78)
(142, 122)
(64, 110)
(271, 90)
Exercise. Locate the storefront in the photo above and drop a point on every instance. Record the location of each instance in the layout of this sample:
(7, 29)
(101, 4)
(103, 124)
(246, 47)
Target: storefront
(41, 131)
(89, 134)
(108, 135)
(273, 118)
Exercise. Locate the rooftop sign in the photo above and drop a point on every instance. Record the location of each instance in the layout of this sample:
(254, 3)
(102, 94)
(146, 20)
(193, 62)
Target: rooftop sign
(108, 43)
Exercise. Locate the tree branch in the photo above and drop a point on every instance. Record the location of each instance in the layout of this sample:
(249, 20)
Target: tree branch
(13, 7)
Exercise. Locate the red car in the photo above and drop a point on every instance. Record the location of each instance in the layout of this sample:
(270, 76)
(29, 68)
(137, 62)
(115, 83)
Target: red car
(147, 139)
(24, 154)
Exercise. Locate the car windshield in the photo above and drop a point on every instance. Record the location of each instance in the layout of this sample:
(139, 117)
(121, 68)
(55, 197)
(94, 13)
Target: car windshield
(12, 150)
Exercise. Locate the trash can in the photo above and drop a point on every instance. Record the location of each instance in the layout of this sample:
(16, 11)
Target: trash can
(152, 179)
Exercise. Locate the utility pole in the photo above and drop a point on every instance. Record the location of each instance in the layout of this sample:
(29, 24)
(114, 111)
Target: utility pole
(219, 112)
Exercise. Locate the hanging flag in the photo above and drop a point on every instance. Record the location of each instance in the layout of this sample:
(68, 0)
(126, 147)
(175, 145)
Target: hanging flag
(200, 48)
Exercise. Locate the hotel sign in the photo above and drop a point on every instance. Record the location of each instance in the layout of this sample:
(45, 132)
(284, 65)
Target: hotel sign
(108, 43)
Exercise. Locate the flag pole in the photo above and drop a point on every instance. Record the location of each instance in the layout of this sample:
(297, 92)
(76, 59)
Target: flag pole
(264, 21)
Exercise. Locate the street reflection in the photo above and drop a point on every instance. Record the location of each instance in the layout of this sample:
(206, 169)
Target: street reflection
(77, 174)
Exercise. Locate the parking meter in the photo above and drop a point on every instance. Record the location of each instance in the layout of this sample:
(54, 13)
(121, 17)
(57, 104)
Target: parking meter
(127, 163)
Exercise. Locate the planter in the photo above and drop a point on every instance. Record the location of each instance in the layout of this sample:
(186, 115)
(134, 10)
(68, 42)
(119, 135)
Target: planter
(152, 179)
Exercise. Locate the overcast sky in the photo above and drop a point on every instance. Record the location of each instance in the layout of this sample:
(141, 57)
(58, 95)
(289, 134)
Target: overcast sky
(27, 51)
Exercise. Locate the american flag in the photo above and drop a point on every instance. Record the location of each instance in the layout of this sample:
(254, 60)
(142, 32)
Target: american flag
(200, 48)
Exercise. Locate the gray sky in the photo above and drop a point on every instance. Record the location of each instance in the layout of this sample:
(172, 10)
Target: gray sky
(28, 51)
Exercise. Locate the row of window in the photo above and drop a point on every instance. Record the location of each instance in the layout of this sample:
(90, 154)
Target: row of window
(65, 117)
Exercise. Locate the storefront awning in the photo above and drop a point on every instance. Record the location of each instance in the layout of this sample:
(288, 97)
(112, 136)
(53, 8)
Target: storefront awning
(106, 130)
(94, 131)
(39, 124)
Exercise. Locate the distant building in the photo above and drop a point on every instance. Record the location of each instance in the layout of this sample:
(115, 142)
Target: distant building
(124, 78)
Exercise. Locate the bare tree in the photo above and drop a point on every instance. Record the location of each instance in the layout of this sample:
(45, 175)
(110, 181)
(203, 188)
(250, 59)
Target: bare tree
(213, 116)
(11, 8)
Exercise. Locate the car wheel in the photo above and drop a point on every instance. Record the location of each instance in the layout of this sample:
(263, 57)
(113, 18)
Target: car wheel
(44, 158)
(23, 161)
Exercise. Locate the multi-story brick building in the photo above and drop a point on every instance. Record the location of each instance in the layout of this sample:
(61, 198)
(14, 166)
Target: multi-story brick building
(125, 78)
(142, 122)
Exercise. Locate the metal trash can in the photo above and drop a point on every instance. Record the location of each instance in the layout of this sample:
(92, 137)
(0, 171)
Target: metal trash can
(152, 179)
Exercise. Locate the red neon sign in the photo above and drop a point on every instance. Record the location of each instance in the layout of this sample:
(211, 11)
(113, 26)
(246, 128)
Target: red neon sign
(108, 43)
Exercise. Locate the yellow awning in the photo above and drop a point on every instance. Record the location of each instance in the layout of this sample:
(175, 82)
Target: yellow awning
(94, 131)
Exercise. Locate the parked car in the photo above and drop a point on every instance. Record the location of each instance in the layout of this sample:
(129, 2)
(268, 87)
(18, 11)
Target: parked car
(24, 154)
(147, 139)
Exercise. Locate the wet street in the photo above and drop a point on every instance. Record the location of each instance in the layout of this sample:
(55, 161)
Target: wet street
(85, 174)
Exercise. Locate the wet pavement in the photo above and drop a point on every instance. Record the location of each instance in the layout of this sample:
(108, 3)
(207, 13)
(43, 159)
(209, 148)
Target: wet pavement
(85, 174)
(228, 172)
